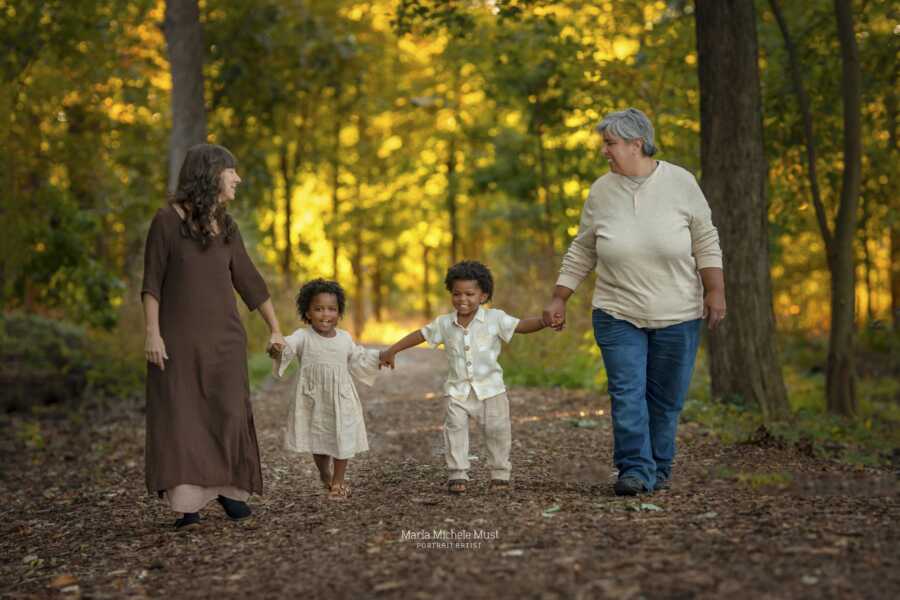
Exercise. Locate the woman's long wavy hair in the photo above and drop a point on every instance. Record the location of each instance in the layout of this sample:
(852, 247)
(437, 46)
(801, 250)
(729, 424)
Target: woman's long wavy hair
(198, 192)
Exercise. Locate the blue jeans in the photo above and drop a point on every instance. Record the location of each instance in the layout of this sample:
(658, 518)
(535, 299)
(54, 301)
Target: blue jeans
(649, 371)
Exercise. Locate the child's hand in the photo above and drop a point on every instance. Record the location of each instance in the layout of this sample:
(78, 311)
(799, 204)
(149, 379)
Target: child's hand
(274, 351)
(385, 359)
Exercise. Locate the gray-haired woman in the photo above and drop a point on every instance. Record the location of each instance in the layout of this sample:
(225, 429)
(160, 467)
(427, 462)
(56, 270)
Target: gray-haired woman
(646, 229)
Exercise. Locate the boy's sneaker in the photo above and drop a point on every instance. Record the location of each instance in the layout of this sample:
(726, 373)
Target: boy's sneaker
(629, 486)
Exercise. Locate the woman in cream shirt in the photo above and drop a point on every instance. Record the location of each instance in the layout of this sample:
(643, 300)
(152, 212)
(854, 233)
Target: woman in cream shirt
(647, 230)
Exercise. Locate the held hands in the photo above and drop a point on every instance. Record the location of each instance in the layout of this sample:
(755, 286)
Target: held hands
(554, 315)
(155, 350)
(714, 307)
(386, 359)
(276, 345)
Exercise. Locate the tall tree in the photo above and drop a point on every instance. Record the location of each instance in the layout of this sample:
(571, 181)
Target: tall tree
(743, 357)
(184, 39)
(840, 382)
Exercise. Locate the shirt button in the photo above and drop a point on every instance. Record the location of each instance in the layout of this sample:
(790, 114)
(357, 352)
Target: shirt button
(467, 348)
(469, 364)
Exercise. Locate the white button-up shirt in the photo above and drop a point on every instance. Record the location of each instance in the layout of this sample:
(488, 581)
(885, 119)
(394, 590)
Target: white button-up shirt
(472, 352)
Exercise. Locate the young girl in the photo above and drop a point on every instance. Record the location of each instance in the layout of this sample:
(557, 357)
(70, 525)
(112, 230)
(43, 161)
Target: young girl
(326, 416)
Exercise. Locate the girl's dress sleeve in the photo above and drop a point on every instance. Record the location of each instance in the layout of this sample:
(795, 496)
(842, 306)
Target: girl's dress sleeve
(363, 364)
(293, 349)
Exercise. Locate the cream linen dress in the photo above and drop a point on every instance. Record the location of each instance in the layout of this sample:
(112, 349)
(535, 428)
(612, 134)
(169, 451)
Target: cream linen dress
(325, 415)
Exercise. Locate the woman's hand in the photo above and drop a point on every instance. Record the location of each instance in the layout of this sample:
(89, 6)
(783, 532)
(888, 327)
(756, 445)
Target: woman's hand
(714, 307)
(155, 350)
(276, 345)
(554, 315)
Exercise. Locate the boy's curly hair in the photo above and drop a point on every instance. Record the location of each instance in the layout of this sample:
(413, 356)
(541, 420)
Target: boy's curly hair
(319, 286)
(471, 270)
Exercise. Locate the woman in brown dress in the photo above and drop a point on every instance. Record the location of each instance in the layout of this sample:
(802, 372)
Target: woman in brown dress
(201, 441)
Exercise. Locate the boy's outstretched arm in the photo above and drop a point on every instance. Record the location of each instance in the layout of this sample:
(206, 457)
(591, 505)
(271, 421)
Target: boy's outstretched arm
(387, 356)
(530, 325)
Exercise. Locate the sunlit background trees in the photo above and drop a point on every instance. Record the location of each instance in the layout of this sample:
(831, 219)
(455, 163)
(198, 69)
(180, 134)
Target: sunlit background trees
(381, 141)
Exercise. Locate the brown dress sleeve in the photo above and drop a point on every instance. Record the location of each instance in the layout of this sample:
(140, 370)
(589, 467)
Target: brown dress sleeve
(246, 279)
(156, 257)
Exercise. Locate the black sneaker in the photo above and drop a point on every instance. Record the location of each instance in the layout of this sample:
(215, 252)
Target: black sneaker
(663, 482)
(235, 509)
(629, 486)
(187, 519)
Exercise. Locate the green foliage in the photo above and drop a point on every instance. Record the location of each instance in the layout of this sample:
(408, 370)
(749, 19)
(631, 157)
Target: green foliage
(44, 361)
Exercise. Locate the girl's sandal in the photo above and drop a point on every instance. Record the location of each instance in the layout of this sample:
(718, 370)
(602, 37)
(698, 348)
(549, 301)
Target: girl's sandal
(456, 486)
(340, 491)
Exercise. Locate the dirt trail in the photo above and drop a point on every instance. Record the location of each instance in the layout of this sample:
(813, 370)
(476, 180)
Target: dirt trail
(76, 519)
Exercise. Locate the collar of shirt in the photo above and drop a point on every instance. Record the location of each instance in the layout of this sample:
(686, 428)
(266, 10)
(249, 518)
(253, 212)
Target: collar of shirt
(479, 316)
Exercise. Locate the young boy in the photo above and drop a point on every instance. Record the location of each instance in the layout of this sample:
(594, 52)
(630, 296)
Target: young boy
(471, 336)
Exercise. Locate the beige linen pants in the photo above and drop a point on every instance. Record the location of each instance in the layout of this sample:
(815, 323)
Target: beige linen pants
(493, 416)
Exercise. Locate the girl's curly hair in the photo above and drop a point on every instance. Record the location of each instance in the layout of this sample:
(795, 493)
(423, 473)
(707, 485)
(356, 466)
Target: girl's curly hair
(198, 192)
(471, 270)
(319, 286)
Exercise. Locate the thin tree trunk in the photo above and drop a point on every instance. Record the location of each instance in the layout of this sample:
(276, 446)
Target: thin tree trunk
(867, 261)
(452, 208)
(840, 382)
(287, 176)
(377, 290)
(359, 312)
(806, 112)
(184, 40)
(425, 277)
(891, 111)
(743, 355)
(335, 200)
(544, 191)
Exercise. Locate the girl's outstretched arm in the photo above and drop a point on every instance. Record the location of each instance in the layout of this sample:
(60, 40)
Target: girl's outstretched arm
(530, 325)
(387, 356)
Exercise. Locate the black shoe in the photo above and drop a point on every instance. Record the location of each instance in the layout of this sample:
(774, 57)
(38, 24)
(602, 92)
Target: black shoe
(235, 509)
(663, 482)
(629, 486)
(187, 519)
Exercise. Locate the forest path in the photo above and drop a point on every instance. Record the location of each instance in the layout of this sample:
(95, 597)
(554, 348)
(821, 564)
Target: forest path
(757, 520)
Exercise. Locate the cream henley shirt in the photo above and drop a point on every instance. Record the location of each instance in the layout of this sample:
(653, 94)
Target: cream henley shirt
(647, 241)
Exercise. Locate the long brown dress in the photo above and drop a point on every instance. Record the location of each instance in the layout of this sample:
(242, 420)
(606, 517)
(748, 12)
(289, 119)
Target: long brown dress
(199, 420)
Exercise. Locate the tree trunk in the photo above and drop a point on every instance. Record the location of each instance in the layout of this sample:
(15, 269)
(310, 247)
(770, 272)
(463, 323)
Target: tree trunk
(891, 110)
(184, 40)
(867, 261)
(743, 355)
(840, 382)
(377, 290)
(425, 276)
(452, 208)
(334, 225)
(359, 312)
(287, 175)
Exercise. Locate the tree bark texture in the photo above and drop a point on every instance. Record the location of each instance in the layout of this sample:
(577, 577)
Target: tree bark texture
(840, 377)
(743, 355)
(184, 40)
